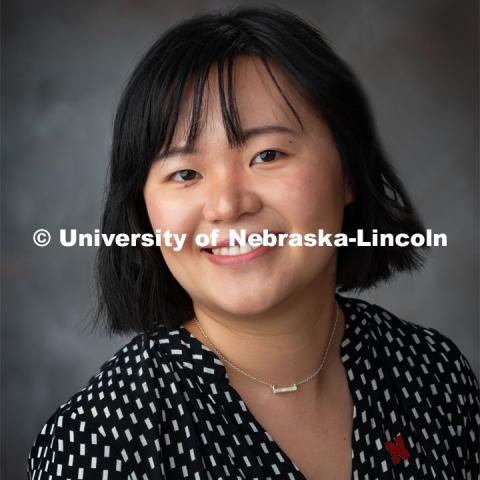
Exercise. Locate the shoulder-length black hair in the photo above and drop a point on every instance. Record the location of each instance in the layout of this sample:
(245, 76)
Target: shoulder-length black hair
(136, 290)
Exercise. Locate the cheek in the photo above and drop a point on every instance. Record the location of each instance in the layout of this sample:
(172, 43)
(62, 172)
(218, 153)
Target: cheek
(165, 214)
(313, 197)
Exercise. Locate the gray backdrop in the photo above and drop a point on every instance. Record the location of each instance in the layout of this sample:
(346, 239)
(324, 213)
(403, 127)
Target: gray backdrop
(64, 64)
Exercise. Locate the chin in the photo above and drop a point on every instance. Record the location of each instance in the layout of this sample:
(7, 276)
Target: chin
(244, 303)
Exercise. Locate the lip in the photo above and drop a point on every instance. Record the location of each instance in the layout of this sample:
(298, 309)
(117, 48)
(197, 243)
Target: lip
(226, 241)
(237, 259)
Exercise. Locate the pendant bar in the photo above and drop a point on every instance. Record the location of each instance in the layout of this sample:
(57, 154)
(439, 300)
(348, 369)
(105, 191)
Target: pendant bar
(291, 388)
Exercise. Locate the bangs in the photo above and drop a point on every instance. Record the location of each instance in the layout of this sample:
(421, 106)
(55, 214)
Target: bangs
(197, 79)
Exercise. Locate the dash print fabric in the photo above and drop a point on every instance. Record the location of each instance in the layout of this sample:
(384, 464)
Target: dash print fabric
(162, 408)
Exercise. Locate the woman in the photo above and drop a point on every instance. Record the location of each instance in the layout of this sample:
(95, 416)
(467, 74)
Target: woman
(248, 363)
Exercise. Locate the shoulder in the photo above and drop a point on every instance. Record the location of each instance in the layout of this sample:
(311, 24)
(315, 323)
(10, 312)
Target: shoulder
(397, 335)
(416, 352)
(95, 426)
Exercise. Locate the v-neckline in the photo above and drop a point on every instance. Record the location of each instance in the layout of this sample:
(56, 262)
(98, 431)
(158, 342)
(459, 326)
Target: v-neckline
(345, 359)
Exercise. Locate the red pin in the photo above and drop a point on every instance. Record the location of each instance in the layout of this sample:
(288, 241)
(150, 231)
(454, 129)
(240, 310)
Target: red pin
(397, 449)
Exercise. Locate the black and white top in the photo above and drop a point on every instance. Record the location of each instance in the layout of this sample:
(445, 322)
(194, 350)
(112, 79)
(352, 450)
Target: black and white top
(162, 408)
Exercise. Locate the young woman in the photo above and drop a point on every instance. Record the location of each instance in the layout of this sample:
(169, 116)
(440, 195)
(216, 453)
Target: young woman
(248, 363)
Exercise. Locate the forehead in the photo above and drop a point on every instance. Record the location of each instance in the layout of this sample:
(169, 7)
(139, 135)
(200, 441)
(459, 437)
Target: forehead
(255, 95)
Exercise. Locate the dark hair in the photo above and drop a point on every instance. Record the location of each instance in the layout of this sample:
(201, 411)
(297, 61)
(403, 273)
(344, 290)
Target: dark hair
(136, 289)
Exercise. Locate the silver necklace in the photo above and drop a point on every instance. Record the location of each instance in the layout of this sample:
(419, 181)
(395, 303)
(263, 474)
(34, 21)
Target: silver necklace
(275, 389)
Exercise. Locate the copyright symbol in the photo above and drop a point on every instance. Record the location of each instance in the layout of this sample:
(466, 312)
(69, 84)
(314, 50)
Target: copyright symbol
(41, 237)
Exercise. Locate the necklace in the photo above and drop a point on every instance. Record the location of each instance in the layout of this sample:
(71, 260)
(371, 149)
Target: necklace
(275, 389)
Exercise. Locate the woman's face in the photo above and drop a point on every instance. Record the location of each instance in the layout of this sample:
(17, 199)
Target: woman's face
(295, 186)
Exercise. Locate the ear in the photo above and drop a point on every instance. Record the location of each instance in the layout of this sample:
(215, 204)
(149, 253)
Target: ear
(349, 196)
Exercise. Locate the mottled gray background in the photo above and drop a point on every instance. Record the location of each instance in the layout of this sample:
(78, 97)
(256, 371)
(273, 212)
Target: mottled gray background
(63, 67)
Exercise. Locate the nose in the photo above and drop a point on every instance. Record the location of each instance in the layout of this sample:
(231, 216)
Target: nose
(229, 197)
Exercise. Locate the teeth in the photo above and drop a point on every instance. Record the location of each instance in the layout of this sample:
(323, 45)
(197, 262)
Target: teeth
(230, 251)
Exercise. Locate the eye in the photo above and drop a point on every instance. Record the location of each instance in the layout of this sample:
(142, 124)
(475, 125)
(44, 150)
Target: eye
(268, 156)
(182, 176)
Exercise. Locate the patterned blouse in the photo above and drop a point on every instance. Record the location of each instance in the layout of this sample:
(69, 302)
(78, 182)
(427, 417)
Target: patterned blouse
(162, 408)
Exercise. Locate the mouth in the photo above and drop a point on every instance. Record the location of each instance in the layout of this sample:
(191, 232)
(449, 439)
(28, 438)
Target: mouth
(232, 257)
(231, 251)
(224, 249)
(237, 255)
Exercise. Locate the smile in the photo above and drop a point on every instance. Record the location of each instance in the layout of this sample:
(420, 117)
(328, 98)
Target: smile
(233, 251)
(235, 255)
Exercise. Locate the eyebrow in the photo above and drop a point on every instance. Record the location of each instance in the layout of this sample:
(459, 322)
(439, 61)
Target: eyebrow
(264, 129)
(246, 135)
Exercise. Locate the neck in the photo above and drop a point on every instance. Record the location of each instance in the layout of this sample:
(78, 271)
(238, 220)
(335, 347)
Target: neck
(282, 346)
